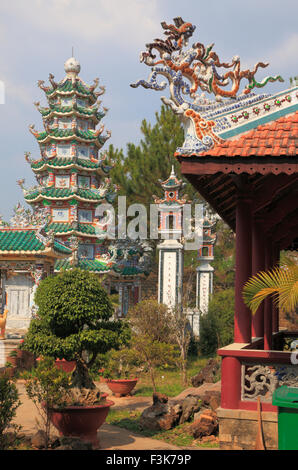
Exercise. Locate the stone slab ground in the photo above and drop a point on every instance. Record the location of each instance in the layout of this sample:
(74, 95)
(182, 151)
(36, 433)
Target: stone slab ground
(111, 437)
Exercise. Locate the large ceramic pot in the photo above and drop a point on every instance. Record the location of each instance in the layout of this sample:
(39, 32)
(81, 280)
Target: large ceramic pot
(121, 387)
(81, 421)
(67, 366)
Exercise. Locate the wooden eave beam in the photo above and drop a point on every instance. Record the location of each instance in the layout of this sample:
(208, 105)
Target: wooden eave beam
(278, 213)
(274, 185)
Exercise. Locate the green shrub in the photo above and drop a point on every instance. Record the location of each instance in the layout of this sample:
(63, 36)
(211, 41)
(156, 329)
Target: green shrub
(122, 364)
(47, 386)
(217, 326)
(9, 402)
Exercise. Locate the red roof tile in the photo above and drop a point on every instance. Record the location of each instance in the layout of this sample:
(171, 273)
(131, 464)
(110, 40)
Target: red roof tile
(277, 138)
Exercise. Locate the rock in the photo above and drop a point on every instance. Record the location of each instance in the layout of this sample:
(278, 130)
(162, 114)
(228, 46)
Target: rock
(190, 405)
(211, 399)
(39, 439)
(159, 398)
(73, 443)
(207, 374)
(205, 425)
(160, 415)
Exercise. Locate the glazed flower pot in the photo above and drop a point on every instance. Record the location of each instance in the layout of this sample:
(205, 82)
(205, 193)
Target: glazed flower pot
(121, 387)
(81, 421)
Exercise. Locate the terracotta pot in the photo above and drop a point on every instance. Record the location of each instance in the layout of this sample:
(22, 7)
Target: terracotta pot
(9, 371)
(81, 421)
(67, 366)
(101, 377)
(121, 387)
(13, 360)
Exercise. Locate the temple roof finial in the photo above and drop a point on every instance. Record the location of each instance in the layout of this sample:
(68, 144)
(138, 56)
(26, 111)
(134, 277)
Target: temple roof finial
(72, 67)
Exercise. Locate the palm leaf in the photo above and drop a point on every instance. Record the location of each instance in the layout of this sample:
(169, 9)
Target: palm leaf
(281, 283)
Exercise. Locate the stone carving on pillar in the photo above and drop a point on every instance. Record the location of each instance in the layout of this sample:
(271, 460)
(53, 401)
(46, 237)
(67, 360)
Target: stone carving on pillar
(262, 380)
(258, 380)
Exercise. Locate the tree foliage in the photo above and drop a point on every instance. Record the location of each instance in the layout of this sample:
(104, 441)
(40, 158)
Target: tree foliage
(9, 402)
(217, 326)
(139, 170)
(152, 336)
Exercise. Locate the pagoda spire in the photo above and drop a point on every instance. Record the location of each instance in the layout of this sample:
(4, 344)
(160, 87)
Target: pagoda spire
(73, 177)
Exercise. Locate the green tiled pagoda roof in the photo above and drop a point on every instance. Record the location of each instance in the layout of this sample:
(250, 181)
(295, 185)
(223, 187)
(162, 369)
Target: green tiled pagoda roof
(68, 86)
(63, 193)
(85, 264)
(85, 229)
(128, 270)
(64, 162)
(83, 110)
(67, 133)
(26, 241)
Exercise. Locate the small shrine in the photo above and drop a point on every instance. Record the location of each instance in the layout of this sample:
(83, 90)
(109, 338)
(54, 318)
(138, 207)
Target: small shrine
(240, 153)
(27, 255)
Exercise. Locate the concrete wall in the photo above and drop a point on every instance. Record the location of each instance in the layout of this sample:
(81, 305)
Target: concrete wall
(238, 429)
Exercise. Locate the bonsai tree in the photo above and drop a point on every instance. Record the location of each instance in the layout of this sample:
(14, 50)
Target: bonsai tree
(122, 363)
(74, 322)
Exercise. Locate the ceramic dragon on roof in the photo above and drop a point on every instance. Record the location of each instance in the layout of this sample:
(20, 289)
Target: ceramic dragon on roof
(196, 70)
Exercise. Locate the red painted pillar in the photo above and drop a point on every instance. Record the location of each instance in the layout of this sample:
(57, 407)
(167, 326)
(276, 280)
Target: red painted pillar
(258, 264)
(243, 320)
(268, 301)
(230, 382)
(275, 311)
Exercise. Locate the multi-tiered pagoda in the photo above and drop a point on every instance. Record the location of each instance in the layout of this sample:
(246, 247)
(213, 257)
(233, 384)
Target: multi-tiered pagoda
(73, 178)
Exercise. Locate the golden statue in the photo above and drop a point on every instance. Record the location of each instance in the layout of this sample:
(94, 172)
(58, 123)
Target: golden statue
(2, 324)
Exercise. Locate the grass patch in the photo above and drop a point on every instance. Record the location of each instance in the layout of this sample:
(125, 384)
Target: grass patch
(168, 381)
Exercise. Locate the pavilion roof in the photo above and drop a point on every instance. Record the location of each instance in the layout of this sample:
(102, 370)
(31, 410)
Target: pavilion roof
(277, 138)
(27, 241)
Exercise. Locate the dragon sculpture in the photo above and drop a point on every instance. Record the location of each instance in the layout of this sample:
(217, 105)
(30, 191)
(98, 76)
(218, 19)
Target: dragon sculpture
(193, 70)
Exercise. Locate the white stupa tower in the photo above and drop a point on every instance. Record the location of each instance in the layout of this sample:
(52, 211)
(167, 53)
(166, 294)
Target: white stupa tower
(170, 209)
(204, 282)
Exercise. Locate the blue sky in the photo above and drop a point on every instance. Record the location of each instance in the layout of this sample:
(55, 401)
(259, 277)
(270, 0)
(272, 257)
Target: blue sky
(37, 36)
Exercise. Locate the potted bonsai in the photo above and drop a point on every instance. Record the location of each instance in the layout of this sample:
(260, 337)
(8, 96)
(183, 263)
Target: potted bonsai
(121, 369)
(49, 387)
(74, 322)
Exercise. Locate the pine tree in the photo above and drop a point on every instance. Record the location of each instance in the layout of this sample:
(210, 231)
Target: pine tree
(139, 171)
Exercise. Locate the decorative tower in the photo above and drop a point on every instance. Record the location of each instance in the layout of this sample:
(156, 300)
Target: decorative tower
(204, 284)
(170, 273)
(73, 179)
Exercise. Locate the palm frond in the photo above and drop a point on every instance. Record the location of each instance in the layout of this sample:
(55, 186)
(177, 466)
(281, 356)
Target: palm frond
(281, 283)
